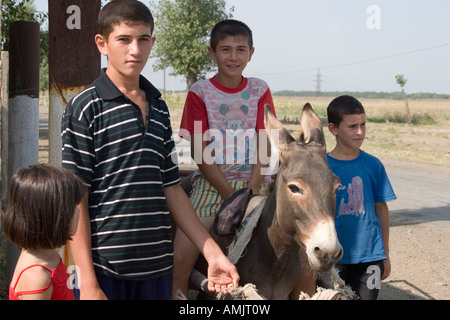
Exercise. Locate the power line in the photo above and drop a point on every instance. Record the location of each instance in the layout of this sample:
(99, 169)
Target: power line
(388, 57)
(362, 61)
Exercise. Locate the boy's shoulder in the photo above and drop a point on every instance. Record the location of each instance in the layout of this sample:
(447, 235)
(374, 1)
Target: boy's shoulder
(76, 104)
(201, 85)
(252, 81)
(365, 160)
(371, 159)
(100, 88)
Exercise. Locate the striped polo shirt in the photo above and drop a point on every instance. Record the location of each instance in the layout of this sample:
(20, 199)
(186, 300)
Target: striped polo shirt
(126, 164)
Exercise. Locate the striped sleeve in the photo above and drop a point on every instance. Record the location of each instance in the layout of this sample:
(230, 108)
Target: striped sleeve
(170, 173)
(77, 143)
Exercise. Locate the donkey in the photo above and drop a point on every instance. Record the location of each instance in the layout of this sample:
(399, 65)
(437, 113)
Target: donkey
(298, 212)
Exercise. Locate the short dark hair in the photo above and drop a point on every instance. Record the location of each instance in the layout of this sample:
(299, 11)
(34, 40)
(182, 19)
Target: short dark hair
(341, 106)
(123, 11)
(230, 27)
(41, 206)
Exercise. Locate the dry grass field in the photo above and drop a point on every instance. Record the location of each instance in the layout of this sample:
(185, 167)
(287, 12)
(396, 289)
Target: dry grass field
(388, 136)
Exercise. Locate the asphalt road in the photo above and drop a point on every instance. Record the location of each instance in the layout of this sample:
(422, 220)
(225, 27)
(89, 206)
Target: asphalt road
(423, 193)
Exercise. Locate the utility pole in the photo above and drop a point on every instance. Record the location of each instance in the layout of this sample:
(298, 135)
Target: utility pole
(23, 109)
(74, 60)
(318, 83)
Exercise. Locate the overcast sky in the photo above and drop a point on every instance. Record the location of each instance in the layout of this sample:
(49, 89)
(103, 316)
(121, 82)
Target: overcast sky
(358, 45)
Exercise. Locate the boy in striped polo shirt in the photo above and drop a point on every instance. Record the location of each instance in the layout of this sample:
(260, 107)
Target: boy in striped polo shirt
(117, 136)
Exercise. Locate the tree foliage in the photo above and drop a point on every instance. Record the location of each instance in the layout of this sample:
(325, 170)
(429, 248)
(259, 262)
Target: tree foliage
(182, 29)
(18, 10)
(401, 81)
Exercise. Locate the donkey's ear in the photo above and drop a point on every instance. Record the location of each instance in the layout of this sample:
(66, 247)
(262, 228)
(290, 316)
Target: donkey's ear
(278, 135)
(311, 126)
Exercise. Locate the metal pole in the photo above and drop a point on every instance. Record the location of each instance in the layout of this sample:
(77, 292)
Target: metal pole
(23, 126)
(4, 130)
(74, 60)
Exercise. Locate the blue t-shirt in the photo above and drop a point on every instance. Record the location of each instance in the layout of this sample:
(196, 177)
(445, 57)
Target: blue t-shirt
(363, 183)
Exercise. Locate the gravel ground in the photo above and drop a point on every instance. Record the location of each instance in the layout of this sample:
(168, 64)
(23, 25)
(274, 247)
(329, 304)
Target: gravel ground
(419, 233)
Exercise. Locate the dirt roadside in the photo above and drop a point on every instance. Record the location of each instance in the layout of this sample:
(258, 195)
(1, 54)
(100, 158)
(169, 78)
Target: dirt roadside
(419, 232)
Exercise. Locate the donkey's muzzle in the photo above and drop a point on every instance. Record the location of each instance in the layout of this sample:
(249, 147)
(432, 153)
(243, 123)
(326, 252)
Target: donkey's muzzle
(322, 246)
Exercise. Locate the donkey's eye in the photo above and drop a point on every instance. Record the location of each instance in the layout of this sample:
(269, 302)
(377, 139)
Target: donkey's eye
(295, 188)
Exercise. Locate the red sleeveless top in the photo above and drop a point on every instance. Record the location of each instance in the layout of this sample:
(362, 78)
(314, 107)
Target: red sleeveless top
(59, 278)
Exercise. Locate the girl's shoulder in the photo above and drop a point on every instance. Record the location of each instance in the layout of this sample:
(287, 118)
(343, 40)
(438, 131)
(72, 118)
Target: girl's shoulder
(34, 277)
(32, 273)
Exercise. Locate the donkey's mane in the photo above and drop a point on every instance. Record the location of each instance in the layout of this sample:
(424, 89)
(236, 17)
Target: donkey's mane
(270, 186)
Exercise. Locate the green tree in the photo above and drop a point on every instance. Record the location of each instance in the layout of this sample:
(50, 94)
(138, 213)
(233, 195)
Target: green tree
(18, 10)
(182, 29)
(24, 10)
(401, 81)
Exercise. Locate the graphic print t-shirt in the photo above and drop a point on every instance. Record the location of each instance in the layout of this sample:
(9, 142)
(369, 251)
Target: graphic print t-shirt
(363, 183)
(229, 118)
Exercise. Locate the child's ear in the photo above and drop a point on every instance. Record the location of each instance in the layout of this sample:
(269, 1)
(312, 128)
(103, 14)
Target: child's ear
(101, 44)
(252, 51)
(212, 53)
(332, 128)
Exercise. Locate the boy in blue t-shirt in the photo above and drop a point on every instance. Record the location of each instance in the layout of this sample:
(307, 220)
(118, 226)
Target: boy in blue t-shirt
(362, 214)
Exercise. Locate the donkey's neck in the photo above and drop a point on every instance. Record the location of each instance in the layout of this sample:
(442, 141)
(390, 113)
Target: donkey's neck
(282, 243)
(275, 252)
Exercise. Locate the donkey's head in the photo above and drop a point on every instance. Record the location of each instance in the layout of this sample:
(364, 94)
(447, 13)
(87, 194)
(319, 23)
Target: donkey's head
(306, 188)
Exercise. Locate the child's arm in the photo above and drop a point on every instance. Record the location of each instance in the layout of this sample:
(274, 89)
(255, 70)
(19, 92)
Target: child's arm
(81, 251)
(256, 177)
(382, 210)
(221, 272)
(209, 168)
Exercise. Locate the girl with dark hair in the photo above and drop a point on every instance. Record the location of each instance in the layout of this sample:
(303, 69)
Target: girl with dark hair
(41, 216)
